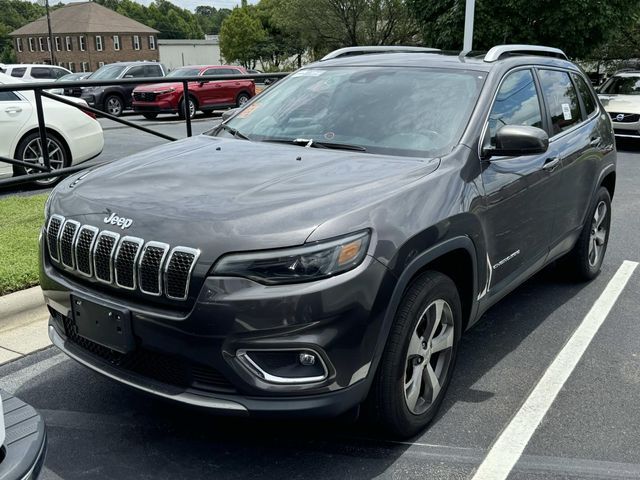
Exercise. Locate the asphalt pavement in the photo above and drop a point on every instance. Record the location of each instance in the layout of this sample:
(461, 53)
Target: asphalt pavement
(100, 429)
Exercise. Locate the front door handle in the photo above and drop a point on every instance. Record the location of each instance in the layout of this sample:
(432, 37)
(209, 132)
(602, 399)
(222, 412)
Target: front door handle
(551, 163)
(13, 109)
(595, 141)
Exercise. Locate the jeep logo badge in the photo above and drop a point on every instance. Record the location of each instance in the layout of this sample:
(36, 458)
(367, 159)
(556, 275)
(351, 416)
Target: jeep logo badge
(121, 222)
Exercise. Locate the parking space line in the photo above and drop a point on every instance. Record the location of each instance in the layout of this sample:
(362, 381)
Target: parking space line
(508, 448)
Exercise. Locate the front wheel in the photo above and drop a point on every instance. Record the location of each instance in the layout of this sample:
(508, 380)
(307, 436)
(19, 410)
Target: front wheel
(29, 150)
(419, 357)
(242, 99)
(114, 105)
(192, 108)
(585, 260)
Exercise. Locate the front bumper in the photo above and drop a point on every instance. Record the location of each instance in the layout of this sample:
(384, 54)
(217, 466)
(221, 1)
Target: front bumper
(154, 107)
(25, 445)
(626, 129)
(338, 318)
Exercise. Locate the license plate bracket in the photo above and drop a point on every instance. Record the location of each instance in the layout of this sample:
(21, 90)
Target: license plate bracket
(102, 324)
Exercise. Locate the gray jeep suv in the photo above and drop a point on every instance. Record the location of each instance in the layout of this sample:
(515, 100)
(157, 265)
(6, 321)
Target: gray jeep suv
(328, 244)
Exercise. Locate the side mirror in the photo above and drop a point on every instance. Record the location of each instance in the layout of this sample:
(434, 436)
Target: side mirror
(518, 140)
(229, 113)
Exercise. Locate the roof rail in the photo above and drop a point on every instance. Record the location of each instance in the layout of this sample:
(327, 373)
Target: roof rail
(499, 51)
(351, 51)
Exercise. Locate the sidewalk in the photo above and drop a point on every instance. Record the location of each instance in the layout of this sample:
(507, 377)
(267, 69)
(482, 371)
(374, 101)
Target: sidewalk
(23, 324)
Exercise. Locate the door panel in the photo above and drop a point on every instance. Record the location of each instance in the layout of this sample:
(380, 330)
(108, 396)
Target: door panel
(14, 113)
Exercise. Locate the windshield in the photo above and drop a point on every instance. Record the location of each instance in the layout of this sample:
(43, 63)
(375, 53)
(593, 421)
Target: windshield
(71, 76)
(622, 86)
(396, 111)
(184, 72)
(107, 72)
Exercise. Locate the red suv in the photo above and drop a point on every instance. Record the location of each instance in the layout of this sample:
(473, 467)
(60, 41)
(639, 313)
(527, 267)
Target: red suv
(150, 100)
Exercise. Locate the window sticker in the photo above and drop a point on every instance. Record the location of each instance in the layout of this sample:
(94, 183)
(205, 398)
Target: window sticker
(309, 72)
(566, 111)
(249, 110)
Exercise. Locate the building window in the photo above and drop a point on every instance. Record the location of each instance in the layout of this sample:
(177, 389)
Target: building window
(72, 66)
(61, 64)
(136, 42)
(98, 43)
(41, 43)
(100, 64)
(48, 44)
(58, 44)
(116, 42)
(68, 44)
(85, 67)
(31, 44)
(82, 43)
(152, 42)
(19, 44)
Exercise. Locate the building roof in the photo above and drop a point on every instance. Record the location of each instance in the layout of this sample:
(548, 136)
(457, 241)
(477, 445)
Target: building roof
(84, 17)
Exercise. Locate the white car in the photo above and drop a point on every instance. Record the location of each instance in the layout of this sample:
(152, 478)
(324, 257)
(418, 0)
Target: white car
(620, 96)
(34, 72)
(74, 136)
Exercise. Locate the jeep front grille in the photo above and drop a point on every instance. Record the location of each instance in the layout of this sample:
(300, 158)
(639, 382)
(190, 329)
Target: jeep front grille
(124, 262)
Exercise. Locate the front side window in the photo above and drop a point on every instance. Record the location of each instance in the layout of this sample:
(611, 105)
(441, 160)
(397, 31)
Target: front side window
(116, 42)
(42, 72)
(135, 72)
(98, 43)
(184, 72)
(136, 42)
(59, 73)
(516, 103)
(82, 43)
(18, 72)
(561, 99)
(108, 72)
(352, 106)
(153, 71)
(585, 93)
(19, 44)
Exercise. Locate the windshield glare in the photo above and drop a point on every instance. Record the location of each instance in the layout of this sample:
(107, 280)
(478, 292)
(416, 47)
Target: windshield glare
(107, 73)
(184, 72)
(396, 111)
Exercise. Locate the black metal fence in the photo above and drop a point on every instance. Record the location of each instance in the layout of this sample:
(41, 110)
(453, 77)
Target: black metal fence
(39, 90)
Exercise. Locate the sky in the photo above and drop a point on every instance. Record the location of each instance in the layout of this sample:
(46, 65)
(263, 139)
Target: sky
(190, 4)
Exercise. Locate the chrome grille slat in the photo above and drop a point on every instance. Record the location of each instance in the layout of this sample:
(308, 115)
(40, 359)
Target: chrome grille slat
(126, 259)
(66, 241)
(126, 262)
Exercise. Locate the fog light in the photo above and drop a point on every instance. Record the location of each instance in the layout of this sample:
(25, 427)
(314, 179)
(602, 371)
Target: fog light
(307, 359)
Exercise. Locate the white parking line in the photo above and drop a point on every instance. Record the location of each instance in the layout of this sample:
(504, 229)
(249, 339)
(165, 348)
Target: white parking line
(509, 446)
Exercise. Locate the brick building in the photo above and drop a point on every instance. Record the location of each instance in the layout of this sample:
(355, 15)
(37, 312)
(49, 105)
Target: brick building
(85, 36)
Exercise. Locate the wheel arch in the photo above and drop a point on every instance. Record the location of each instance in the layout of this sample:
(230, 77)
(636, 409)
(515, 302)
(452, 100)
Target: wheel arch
(51, 130)
(608, 181)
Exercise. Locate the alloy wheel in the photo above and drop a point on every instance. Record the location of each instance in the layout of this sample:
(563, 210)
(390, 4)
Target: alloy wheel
(242, 100)
(33, 154)
(598, 235)
(429, 356)
(114, 106)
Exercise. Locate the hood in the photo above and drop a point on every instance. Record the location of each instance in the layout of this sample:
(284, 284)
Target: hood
(224, 195)
(620, 103)
(158, 86)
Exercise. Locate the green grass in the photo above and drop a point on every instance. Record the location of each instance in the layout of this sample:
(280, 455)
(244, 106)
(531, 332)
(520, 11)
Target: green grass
(20, 221)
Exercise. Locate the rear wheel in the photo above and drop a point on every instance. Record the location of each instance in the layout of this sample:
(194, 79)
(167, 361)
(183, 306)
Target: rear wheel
(29, 150)
(150, 116)
(585, 260)
(419, 357)
(114, 105)
(242, 99)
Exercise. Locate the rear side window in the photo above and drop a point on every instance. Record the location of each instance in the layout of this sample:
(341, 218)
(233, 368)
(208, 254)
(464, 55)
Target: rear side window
(8, 97)
(517, 103)
(42, 72)
(18, 72)
(561, 99)
(585, 94)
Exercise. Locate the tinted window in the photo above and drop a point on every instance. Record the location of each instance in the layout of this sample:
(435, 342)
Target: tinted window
(59, 73)
(627, 85)
(517, 103)
(18, 72)
(42, 72)
(184, 72)
(561, 99)
(153, 71)
(136, 72)
(107, 72)
(8, 97)
(585, 94)
(216, 71)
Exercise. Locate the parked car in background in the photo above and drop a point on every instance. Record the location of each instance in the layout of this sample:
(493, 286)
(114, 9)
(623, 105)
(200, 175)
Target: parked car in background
(114, 99)
(71, 91)
(34, 72)
(23, 439)
(620, 96)
(74, 136)
(205, 95)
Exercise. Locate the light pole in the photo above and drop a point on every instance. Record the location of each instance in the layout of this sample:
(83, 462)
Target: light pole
(52, 58)
(469, 12)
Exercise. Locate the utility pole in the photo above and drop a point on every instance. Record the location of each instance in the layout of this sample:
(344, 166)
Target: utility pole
(51, 44)
(469, 12)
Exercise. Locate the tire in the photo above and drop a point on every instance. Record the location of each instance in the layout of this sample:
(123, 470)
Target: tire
(393, 403)
(150, 116)
(29, 150)
(114, 105)
(585, 260)
(242, 98)
(192, 108)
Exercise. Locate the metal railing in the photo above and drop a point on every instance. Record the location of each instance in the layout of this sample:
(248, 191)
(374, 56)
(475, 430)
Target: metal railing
(39, 90)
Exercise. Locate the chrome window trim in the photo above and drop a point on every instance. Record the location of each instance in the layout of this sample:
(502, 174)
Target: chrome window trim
(61, 218)
(134, 274)
(73, 242)
(245, 359)
(116, 237)
(96, 231)
(165, 247)
(196, 254)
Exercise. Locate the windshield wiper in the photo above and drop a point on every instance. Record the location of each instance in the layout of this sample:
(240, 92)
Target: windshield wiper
(234, 131)
(310, 143)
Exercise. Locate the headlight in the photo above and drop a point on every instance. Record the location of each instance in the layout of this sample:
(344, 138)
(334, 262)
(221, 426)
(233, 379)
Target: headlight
(165, 91)
(299, 264)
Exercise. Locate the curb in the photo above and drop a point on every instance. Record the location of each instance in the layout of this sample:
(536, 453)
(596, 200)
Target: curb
(21, 307)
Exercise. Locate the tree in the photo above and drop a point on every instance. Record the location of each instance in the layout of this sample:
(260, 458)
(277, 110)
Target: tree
(240, 36)
(576, 26)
